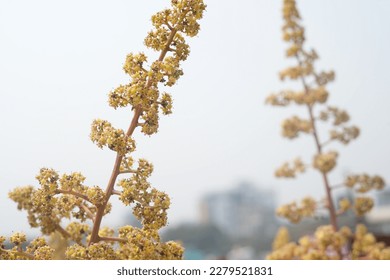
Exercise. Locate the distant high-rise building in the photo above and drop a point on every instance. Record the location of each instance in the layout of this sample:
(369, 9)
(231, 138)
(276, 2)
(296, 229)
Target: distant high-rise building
(378, 218)
(242, 212)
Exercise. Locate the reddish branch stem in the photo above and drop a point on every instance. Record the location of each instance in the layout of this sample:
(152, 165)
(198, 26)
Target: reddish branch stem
(331, 208)
(116, 169)
(63, 232)
(88, 211)
(114, 239)
(76, 194)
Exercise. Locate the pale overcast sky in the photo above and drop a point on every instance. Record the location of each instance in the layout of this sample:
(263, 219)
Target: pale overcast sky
(59, 60)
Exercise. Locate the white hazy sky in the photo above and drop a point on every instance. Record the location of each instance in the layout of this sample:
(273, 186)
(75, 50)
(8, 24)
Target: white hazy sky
(59, 60)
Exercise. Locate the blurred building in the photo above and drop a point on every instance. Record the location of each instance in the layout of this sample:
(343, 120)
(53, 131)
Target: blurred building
(242, 212)
(378, 219)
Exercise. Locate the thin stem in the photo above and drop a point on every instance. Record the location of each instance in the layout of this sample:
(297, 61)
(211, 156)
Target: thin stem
(88, 211)
(327, 142)
(75, 194)
(64, 233)
(338, 186)
(340, 212)
(168, 45)
(116, 192)
(114, 239)
(116, 169)
(332, 211)
(168, 25)
(127, 171)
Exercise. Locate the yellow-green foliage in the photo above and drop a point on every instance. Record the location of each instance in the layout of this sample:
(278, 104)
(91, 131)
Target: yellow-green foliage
(328, 242)
(64, 205)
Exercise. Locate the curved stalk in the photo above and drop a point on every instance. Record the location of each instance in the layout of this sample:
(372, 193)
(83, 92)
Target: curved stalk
(331, 207)
(116, 169)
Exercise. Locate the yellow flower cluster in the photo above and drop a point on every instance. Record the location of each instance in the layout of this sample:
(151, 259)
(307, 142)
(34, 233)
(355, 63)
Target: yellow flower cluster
(146, 245)
(363, 183)
(95, 195)
(170, 26)
(344, 205)
(135, 244)
(37, 249)
(284, 98)
(18, 238)
(288, 170)
(56, 199)
(325, 162)
(40, 251)
(103, 134)
(97, 251)
(324, 77)
(294, 212)
(363, 205)
(78, 231)
(328, 244)
(151, 205)
(281, 239)
(346, 135)
(339, 116)
(296, 72)
(126, 164)
(66, 197)
(293, 126)
(73, 181)
(48, 179)
(101, 251)
(365, 246)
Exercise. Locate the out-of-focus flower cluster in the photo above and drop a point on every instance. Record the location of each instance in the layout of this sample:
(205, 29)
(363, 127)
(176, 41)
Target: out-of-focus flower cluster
(293, 126)
(328, 244)
(312, 96)
(325, 162)
(290, 170)
(363, 183)
(341, 132)
(294, 212)
(360, 184)
(333, 113)
(361, 205)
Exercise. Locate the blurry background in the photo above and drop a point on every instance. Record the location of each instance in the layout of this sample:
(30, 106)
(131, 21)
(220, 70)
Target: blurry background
(216, 154)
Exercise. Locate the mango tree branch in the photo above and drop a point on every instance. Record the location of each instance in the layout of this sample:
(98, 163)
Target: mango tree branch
(127, 171)
(64, 233)
(116, 169)
(330, 140)
(338, 186)
(114, 239)
(87, 211)
(332, 211)
(116, 192)
(75, 194)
